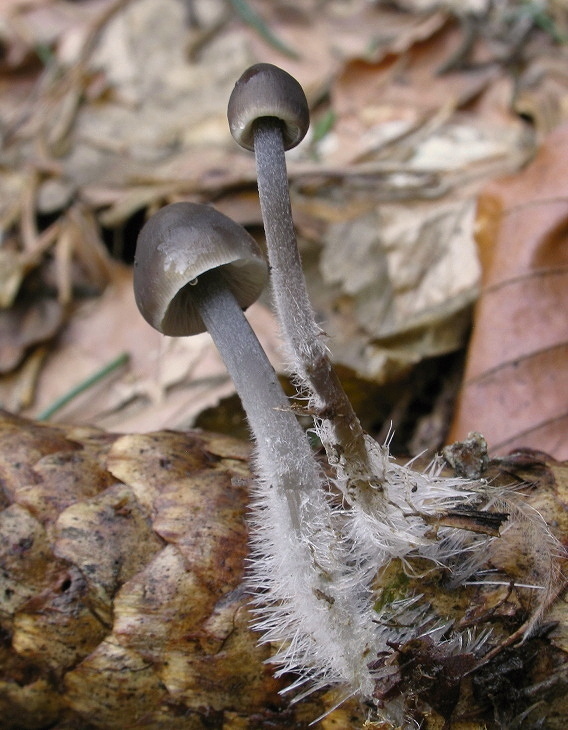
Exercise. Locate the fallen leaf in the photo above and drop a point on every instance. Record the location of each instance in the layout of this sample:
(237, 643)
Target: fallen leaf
(168, 382)
(26, 324)
(515, 389)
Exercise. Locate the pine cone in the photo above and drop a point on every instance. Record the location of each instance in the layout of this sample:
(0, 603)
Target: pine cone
(122, 601)
(121, 585)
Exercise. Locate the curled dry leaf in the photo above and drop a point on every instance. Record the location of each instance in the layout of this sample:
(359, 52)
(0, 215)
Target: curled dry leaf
(516, 381)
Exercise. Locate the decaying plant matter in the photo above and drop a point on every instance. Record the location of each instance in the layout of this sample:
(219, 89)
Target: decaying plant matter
(122, 597)
(122, 600)
(420, 598)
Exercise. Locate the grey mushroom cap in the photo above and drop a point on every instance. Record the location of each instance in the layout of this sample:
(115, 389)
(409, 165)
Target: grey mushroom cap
(175, 247)
(264, 90)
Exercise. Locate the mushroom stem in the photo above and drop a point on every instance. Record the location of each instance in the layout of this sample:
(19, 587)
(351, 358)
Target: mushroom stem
(279, 437)
(340, 430)
(195, 269)
(300, 557)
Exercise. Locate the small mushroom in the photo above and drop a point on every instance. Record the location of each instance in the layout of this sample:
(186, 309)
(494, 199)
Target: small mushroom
(176, 246)
(265, 91)
(196, 269)
(268, 112)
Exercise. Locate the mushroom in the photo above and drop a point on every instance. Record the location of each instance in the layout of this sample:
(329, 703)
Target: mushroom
(175, 247)
(268, 112)
(316, 567)
(194, 269)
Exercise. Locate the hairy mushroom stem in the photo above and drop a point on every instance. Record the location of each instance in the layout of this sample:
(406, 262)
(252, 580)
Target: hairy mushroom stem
(309, 603)
(299, 553)
(282, 448)
(268, 113)
(343, 435)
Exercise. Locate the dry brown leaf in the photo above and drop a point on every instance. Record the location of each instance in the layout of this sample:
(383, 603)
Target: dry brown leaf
(406, 275)
(169, 381)
(325, 37)
(378, 104)
(26, 324)
(516, 382)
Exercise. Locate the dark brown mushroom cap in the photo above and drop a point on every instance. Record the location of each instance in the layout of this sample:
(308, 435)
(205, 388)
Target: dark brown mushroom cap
(178, 244)
(265, 90)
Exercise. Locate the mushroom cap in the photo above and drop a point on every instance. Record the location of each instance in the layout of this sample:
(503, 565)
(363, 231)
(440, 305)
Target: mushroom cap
(178, 244)
(265, 90)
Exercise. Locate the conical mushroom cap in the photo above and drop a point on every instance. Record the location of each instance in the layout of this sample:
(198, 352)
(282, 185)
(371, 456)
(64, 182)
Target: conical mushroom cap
(178, 244)
(262, 91)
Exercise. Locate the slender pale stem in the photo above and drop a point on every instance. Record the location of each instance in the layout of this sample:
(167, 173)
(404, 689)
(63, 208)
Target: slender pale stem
(343, 436)
(308, 603)
(283, 449)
